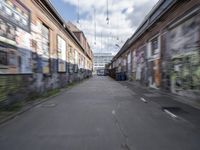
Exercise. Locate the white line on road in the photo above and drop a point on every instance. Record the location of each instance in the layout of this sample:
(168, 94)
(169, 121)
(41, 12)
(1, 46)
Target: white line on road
(113, 112)
(170, 113)
(144, 100)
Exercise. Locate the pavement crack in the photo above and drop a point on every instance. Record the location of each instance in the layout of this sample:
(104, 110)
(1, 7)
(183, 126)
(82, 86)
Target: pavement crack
(125, 145)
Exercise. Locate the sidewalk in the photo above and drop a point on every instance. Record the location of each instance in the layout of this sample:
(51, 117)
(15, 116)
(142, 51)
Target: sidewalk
(183, 107)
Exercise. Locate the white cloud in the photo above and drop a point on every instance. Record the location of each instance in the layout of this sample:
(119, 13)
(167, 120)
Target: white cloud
(124, 18)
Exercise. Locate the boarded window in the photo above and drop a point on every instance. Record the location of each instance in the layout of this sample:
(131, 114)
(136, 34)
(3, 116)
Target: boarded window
(61, 54)
(154, 46)
(45, 48)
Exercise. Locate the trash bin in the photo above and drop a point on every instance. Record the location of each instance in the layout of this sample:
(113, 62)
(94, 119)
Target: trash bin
(118, 77)
(123, 76)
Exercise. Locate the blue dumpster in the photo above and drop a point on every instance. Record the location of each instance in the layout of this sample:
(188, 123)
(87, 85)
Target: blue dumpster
(118, 77)
(123, 76)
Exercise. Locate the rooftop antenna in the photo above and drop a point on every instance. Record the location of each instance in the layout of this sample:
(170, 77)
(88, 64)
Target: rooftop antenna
(107, 12)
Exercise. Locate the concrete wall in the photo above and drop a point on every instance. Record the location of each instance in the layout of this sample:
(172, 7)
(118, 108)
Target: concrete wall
(27, 67)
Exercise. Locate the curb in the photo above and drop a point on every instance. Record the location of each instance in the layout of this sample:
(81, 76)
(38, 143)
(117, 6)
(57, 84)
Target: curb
(28, 107)
(177, 98)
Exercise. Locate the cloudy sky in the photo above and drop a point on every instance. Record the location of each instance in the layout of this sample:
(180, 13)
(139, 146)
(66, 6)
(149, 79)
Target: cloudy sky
(124, 18)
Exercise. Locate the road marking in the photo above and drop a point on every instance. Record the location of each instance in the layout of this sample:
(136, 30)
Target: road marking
(170, 113)
(113, 112)
(144, 100)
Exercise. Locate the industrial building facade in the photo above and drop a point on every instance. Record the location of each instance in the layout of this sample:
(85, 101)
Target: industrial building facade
(38, 52)
(101, 59)
(164, 52)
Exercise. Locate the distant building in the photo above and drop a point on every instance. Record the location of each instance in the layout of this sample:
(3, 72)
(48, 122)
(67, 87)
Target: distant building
(101, 59)
(81, 38)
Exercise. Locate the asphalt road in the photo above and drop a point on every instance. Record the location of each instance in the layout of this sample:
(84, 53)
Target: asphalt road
(98, 114)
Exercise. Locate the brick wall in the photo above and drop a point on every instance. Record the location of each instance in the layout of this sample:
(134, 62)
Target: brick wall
(169, 67)
(37, 60)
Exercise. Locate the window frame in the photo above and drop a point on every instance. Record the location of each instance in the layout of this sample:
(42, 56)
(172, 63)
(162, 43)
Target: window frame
(6, 58)
(156, 53)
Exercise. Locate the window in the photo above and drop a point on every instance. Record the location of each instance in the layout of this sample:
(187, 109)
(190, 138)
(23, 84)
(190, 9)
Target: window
(70, 55)
(3, 58)
(154, 46)
(45, 48)
(76, 57)
(79, 59)
(45, 40)
(61, 47)
(129, 58)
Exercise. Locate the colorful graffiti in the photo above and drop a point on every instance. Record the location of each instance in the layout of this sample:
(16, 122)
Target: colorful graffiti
(15, 61)
(185, 55)
(154, 77)
(16, 13)
(27, 65)
(185, 74)
(7, 32)
(11, 85)
(15, 44)
(141, 67)
(153, 65)
(40, 47)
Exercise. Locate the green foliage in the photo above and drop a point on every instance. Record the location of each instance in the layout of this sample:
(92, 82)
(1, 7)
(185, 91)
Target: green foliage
(50, 93)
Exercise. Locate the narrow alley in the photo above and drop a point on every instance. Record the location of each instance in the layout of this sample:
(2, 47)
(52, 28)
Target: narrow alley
(98, 114)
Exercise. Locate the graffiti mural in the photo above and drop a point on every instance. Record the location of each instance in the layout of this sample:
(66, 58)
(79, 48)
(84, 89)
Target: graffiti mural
(15, 45)
(16, 13)
(15, 61)
(141, 68)
(154, 78)
(7, 32)
(184, 52)
(153, 53)
(32, 59)
(40, 47)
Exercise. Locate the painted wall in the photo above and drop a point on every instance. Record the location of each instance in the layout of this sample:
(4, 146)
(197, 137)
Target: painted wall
(141, 64)
(176, 66)
(15, 36)
(34, 56)
(184, 53)
(153, 61)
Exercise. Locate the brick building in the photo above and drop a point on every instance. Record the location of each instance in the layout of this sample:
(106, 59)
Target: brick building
(38, 52)
(164, 52)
